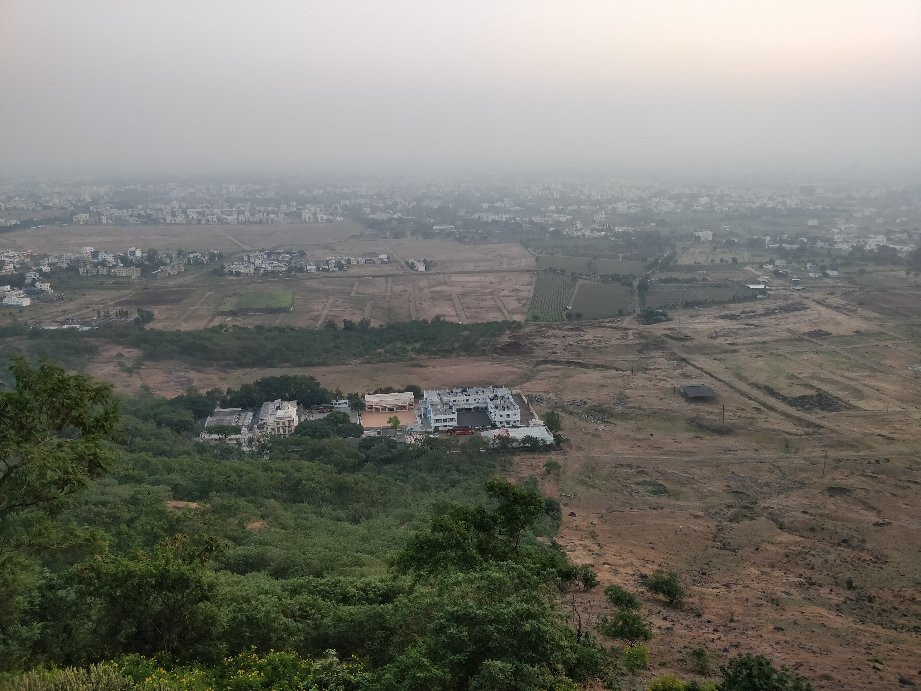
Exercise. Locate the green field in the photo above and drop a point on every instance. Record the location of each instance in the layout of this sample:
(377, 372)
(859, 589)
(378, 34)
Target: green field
(262, 301)
(587, 266)
(601, 300)
(550, 297)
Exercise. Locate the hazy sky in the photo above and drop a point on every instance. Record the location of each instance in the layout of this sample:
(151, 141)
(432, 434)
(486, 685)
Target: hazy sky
(667, 86)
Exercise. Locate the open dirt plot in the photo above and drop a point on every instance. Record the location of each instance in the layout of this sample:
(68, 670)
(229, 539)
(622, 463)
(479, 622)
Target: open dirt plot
(376, 420)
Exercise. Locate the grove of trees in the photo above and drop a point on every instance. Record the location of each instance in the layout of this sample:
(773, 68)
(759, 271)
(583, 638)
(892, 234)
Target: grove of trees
(132, 557)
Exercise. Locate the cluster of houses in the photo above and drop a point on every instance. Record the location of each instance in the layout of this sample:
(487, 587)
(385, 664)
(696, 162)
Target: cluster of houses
(201, 214)
(34, 281)
(289, 261)
(14, 297)
(132, 263)
(495, 412)
(135, 262)
(205, 214)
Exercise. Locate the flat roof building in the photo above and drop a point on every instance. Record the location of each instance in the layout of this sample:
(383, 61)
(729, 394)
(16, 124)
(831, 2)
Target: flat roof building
(440, 406)
(697, 392)
(389, 402)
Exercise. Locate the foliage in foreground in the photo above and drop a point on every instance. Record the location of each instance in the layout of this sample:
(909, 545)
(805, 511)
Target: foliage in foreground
(192, 566)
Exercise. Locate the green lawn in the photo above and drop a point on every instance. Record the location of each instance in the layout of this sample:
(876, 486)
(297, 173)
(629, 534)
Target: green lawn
(261, 300)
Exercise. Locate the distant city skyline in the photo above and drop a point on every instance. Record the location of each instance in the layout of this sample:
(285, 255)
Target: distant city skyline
(822, 88)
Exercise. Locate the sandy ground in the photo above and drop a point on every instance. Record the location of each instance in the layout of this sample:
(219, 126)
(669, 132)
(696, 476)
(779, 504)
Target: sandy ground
(375, 420)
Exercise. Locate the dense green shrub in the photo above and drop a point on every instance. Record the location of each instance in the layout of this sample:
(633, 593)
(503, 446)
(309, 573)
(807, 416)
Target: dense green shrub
(668, 584)
(621, 598)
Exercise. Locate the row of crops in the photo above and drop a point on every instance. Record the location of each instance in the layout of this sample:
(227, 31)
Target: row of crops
(551, 296)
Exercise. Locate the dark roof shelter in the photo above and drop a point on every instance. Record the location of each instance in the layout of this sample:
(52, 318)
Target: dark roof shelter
(697, 392)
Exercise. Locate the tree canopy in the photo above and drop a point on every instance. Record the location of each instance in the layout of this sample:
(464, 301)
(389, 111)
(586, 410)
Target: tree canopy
(54, 435)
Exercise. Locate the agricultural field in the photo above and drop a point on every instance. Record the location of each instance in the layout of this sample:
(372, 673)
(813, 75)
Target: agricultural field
(552, 291)
(706, 253)
(257, 302)
(202, 299)
(891, 303)
(602, 300)
(588, 266)
(677, 294)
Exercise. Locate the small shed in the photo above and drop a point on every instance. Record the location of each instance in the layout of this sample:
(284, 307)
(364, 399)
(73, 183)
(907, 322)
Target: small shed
(697, 392)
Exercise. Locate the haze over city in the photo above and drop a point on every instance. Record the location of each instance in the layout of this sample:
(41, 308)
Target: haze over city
(386, 345)
(827, 87)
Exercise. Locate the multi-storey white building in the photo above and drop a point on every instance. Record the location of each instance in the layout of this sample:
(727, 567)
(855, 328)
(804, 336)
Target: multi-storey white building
(278, 417)
(440, 406)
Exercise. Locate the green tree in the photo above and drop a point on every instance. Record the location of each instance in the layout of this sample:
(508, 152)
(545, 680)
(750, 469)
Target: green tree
(161, 601)
(394, 422)
(699, 661)
(625, 625)
(749, 672)
(335, 424)
(54, 436)
(621, 598)
(636, 658)
(518, 509)
(553, 422)
(668, 584)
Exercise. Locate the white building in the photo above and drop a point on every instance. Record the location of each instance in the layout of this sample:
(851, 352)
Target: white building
(16, 298)
(278, 417)
(440, 406)
(704, 235)
(132, 272)
(389, 402)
